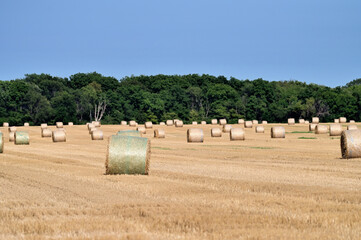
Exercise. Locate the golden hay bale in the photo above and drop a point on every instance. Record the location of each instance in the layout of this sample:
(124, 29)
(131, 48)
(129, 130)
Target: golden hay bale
(248, 124)
(315, 120)
(195, 135)
(92, 130)
(204, 123)
(240, 121)
(254, 122)
(11, 136)
(264, 122)
(12, 129)
(59, 124)
(127, 155)
(174, 120)
(131, 133)
(26, 124)
(278, 132)
(259, 129)
(179, 123)
(312, 127)
(123, 123)
(291, 121)
(216, 132)
(43, 125)
(336, 120)
(90, 126)
(1, 142)
(307, 122)
(169, 122)
(96, 123)
(97, 135)
(194, 123)
(132, 123)
(70, 123)
(236, 134)
(148, 125)
(162, 124)
(301, 121)
(227, 128)
(223, 121)
(59, 136)
(335, 129)
(159, 133)
(142, 129)
(351, 143)
(5, 124)
(214, 121)
(352, 127)
(352, 121)
(343, 120)
(45, 132)
(321, 129)
(21, 138)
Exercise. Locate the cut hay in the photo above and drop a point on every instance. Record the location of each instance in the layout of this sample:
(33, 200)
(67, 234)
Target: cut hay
(335, 129)
(321, 129)
(240, 121)
(131, 133)
(264, 122)
(132, 123)
(142, 129)
(307, 122)
(96, 123)
(227, 128)
(248, 124)
(214, 121)
(336, 120)
(254, 122)
(351, 144)
(352, 127)
(61, 129)
(291, 121)
(194, 123)
(159, 133)
(301, 121)
(352, 121)
(45, 132)
(43, 125)
(278, 132)
(26, 124)
(1, 142)
(259, 129)
(315, 120)
(59, 124)
(5, 124)
(223, 121)
(123, 123)
(162, 124)
(179, 123)
(169, 122)
(204, 123)
(216, 132)
(12, 129)
(70, 123)
(59, 136)
(195, 135)
(11, 136)
(343, 120)
(236, 134)
(21, 138)
(148, 125)
(127, 155)
(97, 135)
(312, 127)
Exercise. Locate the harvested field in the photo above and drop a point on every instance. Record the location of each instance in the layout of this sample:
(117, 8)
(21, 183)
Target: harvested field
(261, 188)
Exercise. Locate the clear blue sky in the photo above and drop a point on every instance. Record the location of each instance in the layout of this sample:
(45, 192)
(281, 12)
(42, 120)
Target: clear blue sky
(316, 41)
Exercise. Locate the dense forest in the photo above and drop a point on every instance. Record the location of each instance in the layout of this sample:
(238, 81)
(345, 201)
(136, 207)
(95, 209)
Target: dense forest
(83, 97)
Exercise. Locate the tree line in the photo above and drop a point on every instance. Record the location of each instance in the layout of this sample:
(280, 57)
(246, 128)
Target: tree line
(83, 97)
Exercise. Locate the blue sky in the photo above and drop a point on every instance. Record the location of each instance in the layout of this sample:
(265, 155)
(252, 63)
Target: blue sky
(314, 41)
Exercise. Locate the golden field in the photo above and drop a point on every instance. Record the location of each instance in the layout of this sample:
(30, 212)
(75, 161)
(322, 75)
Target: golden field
(260, 188)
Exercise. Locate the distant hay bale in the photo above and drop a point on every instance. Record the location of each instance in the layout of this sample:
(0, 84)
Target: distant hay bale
(130, 133)
(259, 129)
(291, 121)
(21, 138)
(216, 132)
(148, 125)
(1, 142)
(70, 123)
(142, 129)
(59, 136)
(352, 121)
(174, 120)
(321, 129)
(315, 120)
(43, 125)
(5, 124)
(179, 123)
(92, 130)
(335, 129)
(343, 120)
(11, 136)
(96, 123)
(97, 135)
(301, 121)
(240, 121)
(204, 123)
(264, 122)
(128, 155)
(278, 132)
(351, 144)
(195, 135)
(123, 123)
(214, 121)
(90, 126)
(132, 123)
(12, 129)
(227, 128)
(307, 122)
(169, 122)
(159, 133)
(59, 124)
(236, 134)
(194, 123)
(26, 124)
(248, 124)
(254, 122)
(45, 132)
(336, 120)
(352, 127)
(162, 124)
(312, 127)
(223, 121)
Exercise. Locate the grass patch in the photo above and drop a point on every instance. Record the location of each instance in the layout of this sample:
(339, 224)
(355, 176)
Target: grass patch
(301, 132)
(162, 148)
(307, 138)
(335, 137)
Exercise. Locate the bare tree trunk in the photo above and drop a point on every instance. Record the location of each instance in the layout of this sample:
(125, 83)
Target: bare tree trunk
(99, 109)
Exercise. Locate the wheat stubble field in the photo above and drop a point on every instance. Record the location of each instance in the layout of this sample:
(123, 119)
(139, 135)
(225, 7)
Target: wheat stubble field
(261, 188)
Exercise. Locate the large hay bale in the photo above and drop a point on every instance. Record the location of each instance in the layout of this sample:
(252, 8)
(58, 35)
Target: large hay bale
(132, 123)
(43, 125)
(59, 136)
(21, 138)
(11, 136)
(214, 121)
(26, 124)
(96, 123)
(278, 132)
(227, 128)
(169, 122)
(343, 120)
(179, 123)
(195, 135)
(123, 123)
(336, 120)
(142, 129)
(223, 121)
(59, 124)
(174, 120)
(216, 132)
(162, 124)
(130, 133)
(240, 121)
(315, 120)
(5, 124)
(194, 123)
(248, 124)
(335, 130)
(351, 143)
(45, 132)
(321, 129)
(70, 123)
(148, 125)
(254, 122)
(352, 127)
(12, 129)
(204, 123)
(127, 155)
(236, 134)
(291, 121)
(301, 121)
(259, 129)
(97, 135)
(1, 142)
(159, 133)
(352, 121)
(312, 127)
(264, 122)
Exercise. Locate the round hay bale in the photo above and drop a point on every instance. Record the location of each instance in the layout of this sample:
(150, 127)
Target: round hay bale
(255, 122)
(321, 129)
(315, 120)
(127, 155)
(148, 125)
(123, 123)
(227, 128)
(195, 135)
(97, 135)
(343, 120)
(248, 124)
(335, 130)
(131, 133)
(312, 127)
(5, 124)
(92, 130)
(174, 120)
(291, 121)
(278, 132)
(45, 132)
(96, 123)
(307, 122)
(1, 142)
(352, 121)
(59, 136)
(236, 134)
(336, 120)
(216, 132)
(26, 124)
(169, 122)
(194, 123)
(214, 121)
(70, 123)
(264, 122)
(142, 129)
(240, 121)
(162, 124)
(59, 124)
(301, 121)
(12, 129)
(11, 136)
(204, 123)
(351, 143)
(21, 138)
(179, 123)
(159, 133)
(223, 121)
(90, 126)
(132, 123)
(259, 129)
(352, 127)
(43, 125)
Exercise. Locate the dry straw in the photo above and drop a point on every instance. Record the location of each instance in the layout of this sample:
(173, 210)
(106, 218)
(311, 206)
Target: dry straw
(132, 123)
(26, 124)
(248, 124)
(70, 123)
(301, 121)
(21, 138)
(240, 121)
(11, 136)
(90, 126)
(214, 121)
(236, 134)
(59, 124)
(97, 135)
(227, 128)
(264, 122)
(351, 144)
(254, 122)
(335, 129)
(127, 155)
(148, 125)
(179, 123)
(43, 125)
(194, 123)
(291, 121)
(352, 127)
(312, 127)
(315, 120)
(204, 123)
(59, 136)
(352, 121)
(96, 123)
(141, 129)
(123, 123)
(216, 132)
(307, 122)
(162, 124)
(159, 133)
(45, 132)
(195, 135)
(223, 121)
(321, 129)
(259, 129)
(1, 142)
(92, 130)
(336, 120)
(278, 132)
(131, 133)
(169, 122)
(343, 120)
(5, 124)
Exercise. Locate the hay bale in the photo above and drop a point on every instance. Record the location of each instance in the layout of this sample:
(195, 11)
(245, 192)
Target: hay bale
(127, 155)
(278, 132)
(21, 138)
(123, 123)
(248, 124)
(301, 121)
(12, 129)
(70, 123)
(162, 124)
(312, 127)
(169, 122)
(174, 120)
(343, 120)
(194, 123)
(240, 121)
(336, 120)
(254, 122)
(204, 123)
(142, 129)
(214, 121)
(352, 127)
(216, 132)
(26, 124)
(92, 130)
(43, 125)
(5, 124)
(179, 123)
(264, 122)
(321, 129)
(1, 142)
(223, 121)
(59, 124)
(148, 125)
(97, 135)
(335, 130)
(259, 129)
(315, 120)
(352, 121)
(227, 128)
(90, 126)
(59, 136)
(236, 134)
(291, 121)
(307, 122)
(45, 132)
(159, 133)
(11, 136)
(130, 133)
(96, 123)
(195, 135)
(132, 123)
(351, 144)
